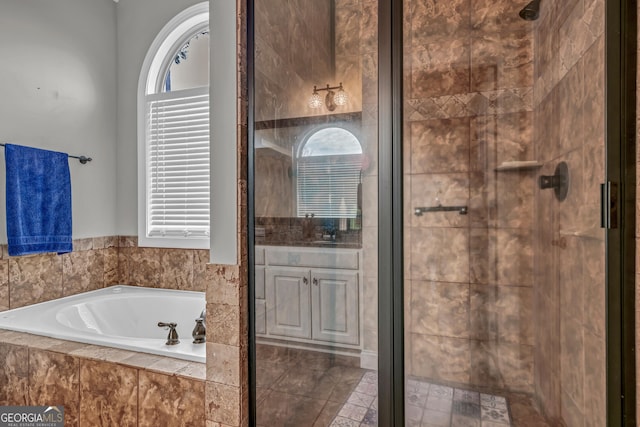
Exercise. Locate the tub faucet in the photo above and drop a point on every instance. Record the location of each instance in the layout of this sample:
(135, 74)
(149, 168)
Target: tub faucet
(172, 339)
(199, 333)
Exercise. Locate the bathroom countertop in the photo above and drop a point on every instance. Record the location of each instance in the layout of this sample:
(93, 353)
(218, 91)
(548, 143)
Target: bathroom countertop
(313, 244)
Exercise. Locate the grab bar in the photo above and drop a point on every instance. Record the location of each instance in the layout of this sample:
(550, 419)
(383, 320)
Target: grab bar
(462, 210)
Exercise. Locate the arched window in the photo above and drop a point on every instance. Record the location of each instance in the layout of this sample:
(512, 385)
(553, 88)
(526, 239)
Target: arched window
(328, 174)
(173, 136)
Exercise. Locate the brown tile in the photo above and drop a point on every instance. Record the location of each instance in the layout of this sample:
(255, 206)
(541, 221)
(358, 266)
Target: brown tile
(501, 61)
(498, 16)
(428, 190)
(80, 245)
(82, 272)
(108, 394)
(268, 373)
(222, 403)
(224, 363)
(440, 358)
(434, 19)
(176, 269)
(515, 316)
(145, 267)
(595, 380)
(485, 365)
(287, 409)
(230, 326)
(223, 284)
(569, 99)
(516, 366)
(200, 277)
(14, 375)
(170, 400)
(440, 254)
(571, 411)
(441, 68)
(111, 275)
(34, 279)
(594, 104)
(328, 413)
(483, 323)
(440, 146)
(301, 381)
(4, 285)
(54, 379)
(514, 200)
(572, 368)
(593, 281)
(439, 308)
(501, 256)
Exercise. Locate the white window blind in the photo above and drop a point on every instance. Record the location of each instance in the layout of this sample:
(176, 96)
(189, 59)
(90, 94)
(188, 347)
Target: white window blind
(328, 186)
(178, 164)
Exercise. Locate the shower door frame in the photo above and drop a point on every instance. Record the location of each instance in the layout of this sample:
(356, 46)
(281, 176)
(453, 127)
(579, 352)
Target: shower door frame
(621, 41)
(620, 164)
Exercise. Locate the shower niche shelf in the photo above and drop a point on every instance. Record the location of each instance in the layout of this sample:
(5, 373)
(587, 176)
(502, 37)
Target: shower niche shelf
(519, 165)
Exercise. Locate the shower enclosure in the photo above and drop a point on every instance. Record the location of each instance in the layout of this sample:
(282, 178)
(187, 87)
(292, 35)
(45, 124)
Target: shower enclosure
(439, 219)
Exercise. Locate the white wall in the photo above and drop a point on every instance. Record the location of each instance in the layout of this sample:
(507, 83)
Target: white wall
(138, 23)
(58, 92)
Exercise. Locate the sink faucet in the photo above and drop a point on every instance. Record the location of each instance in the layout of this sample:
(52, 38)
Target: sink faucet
(172, 339)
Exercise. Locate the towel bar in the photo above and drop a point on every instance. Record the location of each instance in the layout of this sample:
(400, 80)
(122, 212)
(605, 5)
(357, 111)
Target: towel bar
(81, 159)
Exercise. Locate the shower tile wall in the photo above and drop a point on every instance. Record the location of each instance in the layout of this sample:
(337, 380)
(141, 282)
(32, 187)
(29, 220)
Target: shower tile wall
(94, 264)
(468, 108)
(569, 300)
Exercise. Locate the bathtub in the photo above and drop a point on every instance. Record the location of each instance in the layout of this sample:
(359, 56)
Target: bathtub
(119, 316)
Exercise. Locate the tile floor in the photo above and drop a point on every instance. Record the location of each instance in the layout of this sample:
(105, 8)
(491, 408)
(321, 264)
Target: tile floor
(299, 388)
(428, 405)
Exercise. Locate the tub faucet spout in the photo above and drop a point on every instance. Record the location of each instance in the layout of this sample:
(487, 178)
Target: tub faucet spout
(172, 339)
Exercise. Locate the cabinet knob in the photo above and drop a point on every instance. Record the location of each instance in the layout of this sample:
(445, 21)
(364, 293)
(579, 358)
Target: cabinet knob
(315, 281)
(305, 280)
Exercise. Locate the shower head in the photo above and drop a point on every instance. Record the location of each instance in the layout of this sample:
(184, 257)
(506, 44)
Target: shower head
(531, 12)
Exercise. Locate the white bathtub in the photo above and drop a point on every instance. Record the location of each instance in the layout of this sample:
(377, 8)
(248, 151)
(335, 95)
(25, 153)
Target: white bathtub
(119, 316)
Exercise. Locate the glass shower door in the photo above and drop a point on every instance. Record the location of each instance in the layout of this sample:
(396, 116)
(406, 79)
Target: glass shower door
(505, 258)
(315, 190)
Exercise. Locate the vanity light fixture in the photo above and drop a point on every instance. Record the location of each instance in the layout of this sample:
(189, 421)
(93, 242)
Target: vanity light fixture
(332, 99)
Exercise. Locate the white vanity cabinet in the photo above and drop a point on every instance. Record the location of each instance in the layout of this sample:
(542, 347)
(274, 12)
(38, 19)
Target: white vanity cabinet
(306, 299)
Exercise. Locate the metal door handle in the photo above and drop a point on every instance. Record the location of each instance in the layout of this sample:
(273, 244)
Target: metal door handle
(315, 281)
(305, 280)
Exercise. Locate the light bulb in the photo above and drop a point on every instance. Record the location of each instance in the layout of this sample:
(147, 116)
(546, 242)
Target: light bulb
(315, 101)
(340, 98)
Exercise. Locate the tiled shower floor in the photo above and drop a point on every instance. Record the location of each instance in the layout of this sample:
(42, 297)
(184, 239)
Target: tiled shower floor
(428, 405)
(300, 388)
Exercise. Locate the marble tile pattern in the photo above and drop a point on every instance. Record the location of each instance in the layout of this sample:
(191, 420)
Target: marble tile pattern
(426, 404)
(96, 263)
(99, 387)
(470, 76)
(569, 76)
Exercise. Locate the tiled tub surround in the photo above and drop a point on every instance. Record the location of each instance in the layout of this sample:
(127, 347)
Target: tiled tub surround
(96, 263)
(123, 317)
(469, 278)
(100, 386)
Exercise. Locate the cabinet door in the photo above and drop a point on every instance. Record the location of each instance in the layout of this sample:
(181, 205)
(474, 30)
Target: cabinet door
(288, 302)
(334, 306)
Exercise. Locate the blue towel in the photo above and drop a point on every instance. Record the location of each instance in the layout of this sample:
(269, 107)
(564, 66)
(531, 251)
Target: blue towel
(38, 201)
